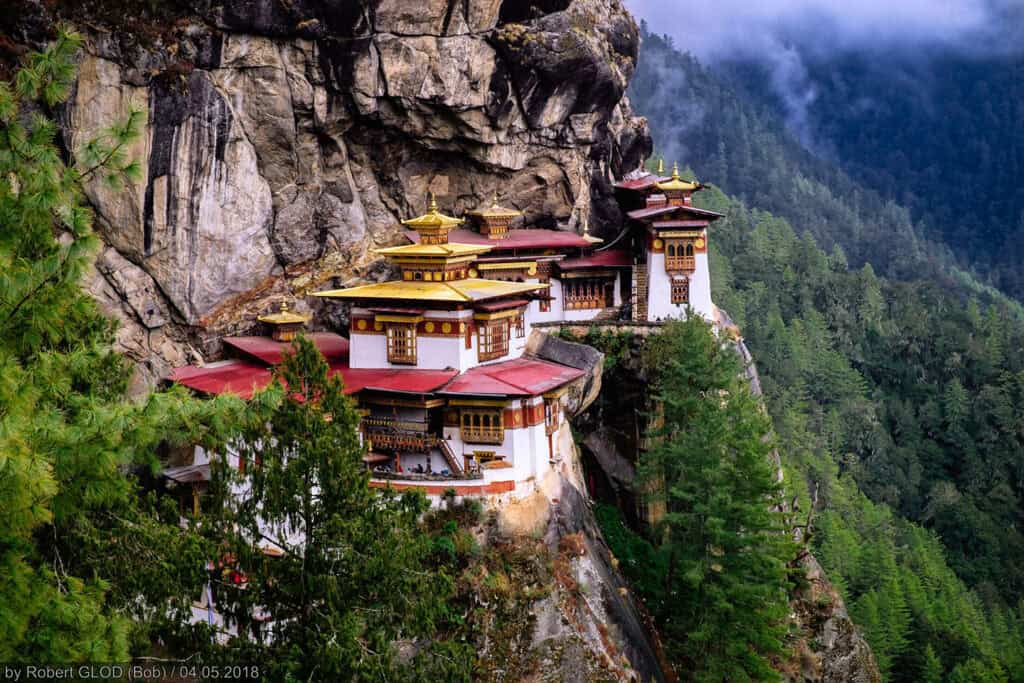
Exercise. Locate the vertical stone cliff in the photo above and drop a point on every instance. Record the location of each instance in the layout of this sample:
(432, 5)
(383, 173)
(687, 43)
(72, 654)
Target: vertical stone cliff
(284, 140)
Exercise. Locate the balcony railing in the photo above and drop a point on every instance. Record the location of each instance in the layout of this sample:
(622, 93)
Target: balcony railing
(389, 423)
(674, 263)
(402, 441)
(492, 435)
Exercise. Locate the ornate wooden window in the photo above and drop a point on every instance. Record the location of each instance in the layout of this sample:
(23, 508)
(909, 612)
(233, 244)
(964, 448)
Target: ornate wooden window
(520, 325)
(679, 256)
(492, 337)
(401, 343)
(681, 291)
(583, 294)
(552, 409)
(483, 425)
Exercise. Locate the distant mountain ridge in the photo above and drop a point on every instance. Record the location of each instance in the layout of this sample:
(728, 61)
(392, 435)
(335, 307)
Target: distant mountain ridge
(939, 132)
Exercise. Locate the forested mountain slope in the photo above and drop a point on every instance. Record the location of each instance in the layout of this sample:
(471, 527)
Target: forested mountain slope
(889, 373)
(899, 422)
(742, 145)
(938, 132)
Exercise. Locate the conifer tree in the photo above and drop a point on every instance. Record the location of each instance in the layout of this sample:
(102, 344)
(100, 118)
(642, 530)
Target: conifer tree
(932, 672)
(724, 537)
(352, 576)
(81, 561)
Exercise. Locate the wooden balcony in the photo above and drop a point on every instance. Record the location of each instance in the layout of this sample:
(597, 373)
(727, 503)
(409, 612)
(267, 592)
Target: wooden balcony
(680, 263)
(491, 435)
(391, 424)
(402, 441)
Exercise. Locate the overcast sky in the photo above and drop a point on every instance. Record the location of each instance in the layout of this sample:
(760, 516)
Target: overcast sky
(715, 28)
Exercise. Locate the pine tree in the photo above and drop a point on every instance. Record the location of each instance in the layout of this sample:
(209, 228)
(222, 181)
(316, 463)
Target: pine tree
(352, 576)
(933, 671)
(722, 534)
(80, 558)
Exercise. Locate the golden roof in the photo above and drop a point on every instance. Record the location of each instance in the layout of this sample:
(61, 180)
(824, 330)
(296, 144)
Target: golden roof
(447, 250)
(455, 291)
(676, 183)
(433, 219)
(495, 210)
(285, 317)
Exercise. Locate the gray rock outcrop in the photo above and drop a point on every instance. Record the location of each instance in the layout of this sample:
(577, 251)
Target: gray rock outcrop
(283, 141)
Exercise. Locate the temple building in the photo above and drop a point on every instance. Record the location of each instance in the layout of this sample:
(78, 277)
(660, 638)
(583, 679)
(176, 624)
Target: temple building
(670, 247)
(439, 359)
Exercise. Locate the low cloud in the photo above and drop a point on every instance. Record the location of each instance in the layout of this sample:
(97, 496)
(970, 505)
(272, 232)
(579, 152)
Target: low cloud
(783, 34)
(713, 29)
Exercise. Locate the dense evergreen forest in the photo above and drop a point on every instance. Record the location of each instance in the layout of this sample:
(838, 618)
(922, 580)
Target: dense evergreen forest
(890, 376)
(961, 181)
(741, 144)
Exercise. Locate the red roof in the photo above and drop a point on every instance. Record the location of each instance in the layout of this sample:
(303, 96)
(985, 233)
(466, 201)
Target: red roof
(244, 378)
(502, 305)
(333, 346)
(640, 214)
(387, 379)
(533, 238)
(612, 258)
(642, 183)
(519, 377)
(229, 377)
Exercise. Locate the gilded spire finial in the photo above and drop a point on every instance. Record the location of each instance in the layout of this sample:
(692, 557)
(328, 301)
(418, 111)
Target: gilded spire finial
(284, 306)
(432, 208)
(661, 165)
(675, 170)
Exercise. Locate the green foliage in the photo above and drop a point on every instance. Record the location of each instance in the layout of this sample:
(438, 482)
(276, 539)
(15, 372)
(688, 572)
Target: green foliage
(899, 391)
(86, 567)
(742, 146)
(355, 575)
(723, 540)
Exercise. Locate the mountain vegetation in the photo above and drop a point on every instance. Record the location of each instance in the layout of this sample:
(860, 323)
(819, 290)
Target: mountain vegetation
(875, 387)
(889, 374)
(88, 565)
(714, 570)
(961, 180)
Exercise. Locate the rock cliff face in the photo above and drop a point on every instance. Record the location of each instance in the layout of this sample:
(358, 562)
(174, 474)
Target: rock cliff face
(284, 140)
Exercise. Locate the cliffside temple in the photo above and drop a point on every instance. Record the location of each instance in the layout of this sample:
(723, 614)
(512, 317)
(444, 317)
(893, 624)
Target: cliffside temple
(438, 358)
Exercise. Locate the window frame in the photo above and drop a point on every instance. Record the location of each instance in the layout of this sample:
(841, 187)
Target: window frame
(680, 291)
(493, 338)
(395, 353)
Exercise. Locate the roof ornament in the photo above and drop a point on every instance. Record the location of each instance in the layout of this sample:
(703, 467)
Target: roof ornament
(677, 184)
(285, 324)
(661, 166)
(433, 226)
(586, 233)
